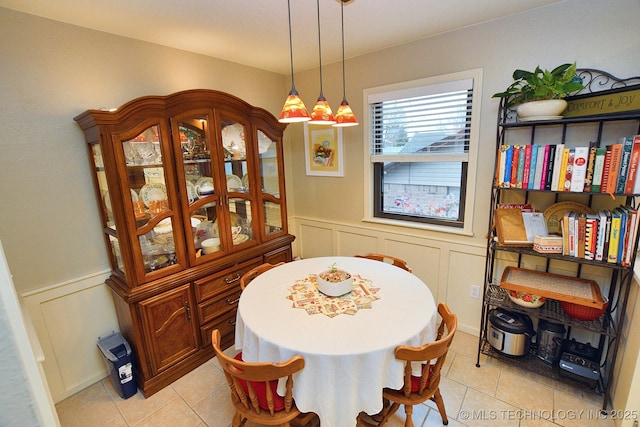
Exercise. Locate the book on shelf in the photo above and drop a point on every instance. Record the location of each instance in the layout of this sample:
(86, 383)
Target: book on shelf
(556, 179)
(579, 175)
(532, 166)
(630, 184)
(605, 170)
(581, 226)
(629, 254)
(539, 165)
(510, 227)
(591, 237)
(614, 167)
(597, 169)
(627, 144)
(508, 166)
(518, 227)
(515, 159)
(602, 229)
(588, 179)
(562, 180)
(521, 159)
(564, 227)
(568, 174)
(526, 166)
(550, 162)
(614, 238)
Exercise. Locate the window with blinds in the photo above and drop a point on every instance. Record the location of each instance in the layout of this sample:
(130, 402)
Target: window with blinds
(420, 139)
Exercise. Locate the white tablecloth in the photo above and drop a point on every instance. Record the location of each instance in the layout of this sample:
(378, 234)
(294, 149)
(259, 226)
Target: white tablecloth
(349, 359)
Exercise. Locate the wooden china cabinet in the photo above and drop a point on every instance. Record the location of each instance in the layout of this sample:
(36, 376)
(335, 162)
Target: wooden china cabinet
(170, 173)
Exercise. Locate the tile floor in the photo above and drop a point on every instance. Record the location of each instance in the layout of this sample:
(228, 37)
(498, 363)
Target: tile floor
(492, 395)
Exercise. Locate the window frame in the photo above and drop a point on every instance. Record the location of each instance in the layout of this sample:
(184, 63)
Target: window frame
(468, 160)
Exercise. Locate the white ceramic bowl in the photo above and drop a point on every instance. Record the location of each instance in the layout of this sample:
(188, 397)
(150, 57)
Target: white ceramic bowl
(334, 289)
(527, 300)
(211, 245)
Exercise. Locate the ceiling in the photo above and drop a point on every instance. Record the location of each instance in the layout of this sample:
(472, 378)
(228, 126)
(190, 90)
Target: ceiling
(255, 32)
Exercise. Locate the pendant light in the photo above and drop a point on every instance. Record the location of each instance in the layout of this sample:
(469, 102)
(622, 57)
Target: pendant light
(321, 114)
(344, 116)
(293, 110)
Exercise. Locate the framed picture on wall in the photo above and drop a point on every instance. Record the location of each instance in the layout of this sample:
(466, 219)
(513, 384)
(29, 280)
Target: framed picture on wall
(323, 150)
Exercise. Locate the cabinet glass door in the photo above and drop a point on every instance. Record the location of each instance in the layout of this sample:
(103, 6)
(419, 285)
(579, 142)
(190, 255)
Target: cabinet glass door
(107, 208)
(198, 183)
(236, 148)
(148, 198)
(269, 180)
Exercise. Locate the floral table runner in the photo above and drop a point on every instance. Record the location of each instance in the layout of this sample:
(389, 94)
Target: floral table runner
(305, 294)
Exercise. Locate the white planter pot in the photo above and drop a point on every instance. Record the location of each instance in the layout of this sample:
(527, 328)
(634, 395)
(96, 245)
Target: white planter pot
(548, 109)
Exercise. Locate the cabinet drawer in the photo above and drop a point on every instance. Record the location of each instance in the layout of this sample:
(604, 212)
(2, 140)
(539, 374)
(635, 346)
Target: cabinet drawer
(227, 326)
(223, 280)
(220, 304)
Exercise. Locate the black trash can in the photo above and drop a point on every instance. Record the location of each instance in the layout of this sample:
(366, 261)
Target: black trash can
(117, 356)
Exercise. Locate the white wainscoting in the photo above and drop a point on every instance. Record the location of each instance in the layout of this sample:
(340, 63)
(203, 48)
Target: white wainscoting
(68, 319)
(448, 268)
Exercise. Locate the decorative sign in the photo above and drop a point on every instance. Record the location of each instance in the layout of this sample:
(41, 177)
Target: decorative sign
(612, 102)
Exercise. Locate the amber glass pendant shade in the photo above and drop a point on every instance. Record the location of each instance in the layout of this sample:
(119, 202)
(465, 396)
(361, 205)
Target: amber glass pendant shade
(344, 116)
(294, 110)
(322, 114)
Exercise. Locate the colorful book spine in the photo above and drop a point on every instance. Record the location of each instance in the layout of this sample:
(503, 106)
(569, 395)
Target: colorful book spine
(514, 167)
(508, 166)
(590, 237)
(551, 162)
(614, 168)
(605, 170)
(590, 166)
(581, 235)
(568, 176)
(533, 164)
(629, 254)
(614, 238)
(539, 167)
(597, 170)
(527, 166)
(621, 181)
(500, 163)
(521, 160)
(633, 166)
(557, 165)
(602, 227)
(563, 170)
(579, 169)
(545, 166)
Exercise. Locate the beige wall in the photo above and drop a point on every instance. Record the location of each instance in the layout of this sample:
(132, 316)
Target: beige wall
(51, 72)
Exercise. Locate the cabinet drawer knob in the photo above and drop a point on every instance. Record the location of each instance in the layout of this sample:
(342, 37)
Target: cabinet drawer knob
(231, 302)
(235, 279)
(232, 321)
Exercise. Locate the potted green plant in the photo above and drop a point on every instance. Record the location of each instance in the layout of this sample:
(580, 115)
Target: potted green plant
(541, 85)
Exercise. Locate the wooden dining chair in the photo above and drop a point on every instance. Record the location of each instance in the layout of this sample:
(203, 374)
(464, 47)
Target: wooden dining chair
(255, 272)
(417, 389)
(254, 390)
(398, 262)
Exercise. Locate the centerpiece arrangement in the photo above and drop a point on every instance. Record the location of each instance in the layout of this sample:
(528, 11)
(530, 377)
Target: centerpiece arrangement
(334, 281)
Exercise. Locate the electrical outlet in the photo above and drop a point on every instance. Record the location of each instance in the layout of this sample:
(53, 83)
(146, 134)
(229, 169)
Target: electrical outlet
(474, 292)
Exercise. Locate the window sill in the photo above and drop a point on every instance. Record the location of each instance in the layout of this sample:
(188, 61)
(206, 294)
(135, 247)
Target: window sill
(420, 226)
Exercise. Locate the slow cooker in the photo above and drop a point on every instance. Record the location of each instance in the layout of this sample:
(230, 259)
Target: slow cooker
(509, 333)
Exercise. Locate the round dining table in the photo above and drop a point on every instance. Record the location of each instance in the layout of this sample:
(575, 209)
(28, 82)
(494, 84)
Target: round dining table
(349, 358)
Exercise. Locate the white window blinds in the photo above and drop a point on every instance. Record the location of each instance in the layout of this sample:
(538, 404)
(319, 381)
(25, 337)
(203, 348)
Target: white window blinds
(428, 123)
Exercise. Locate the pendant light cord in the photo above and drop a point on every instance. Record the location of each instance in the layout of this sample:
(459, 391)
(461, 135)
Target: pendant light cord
(319, 47)
(293, 86)
(344, 81)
